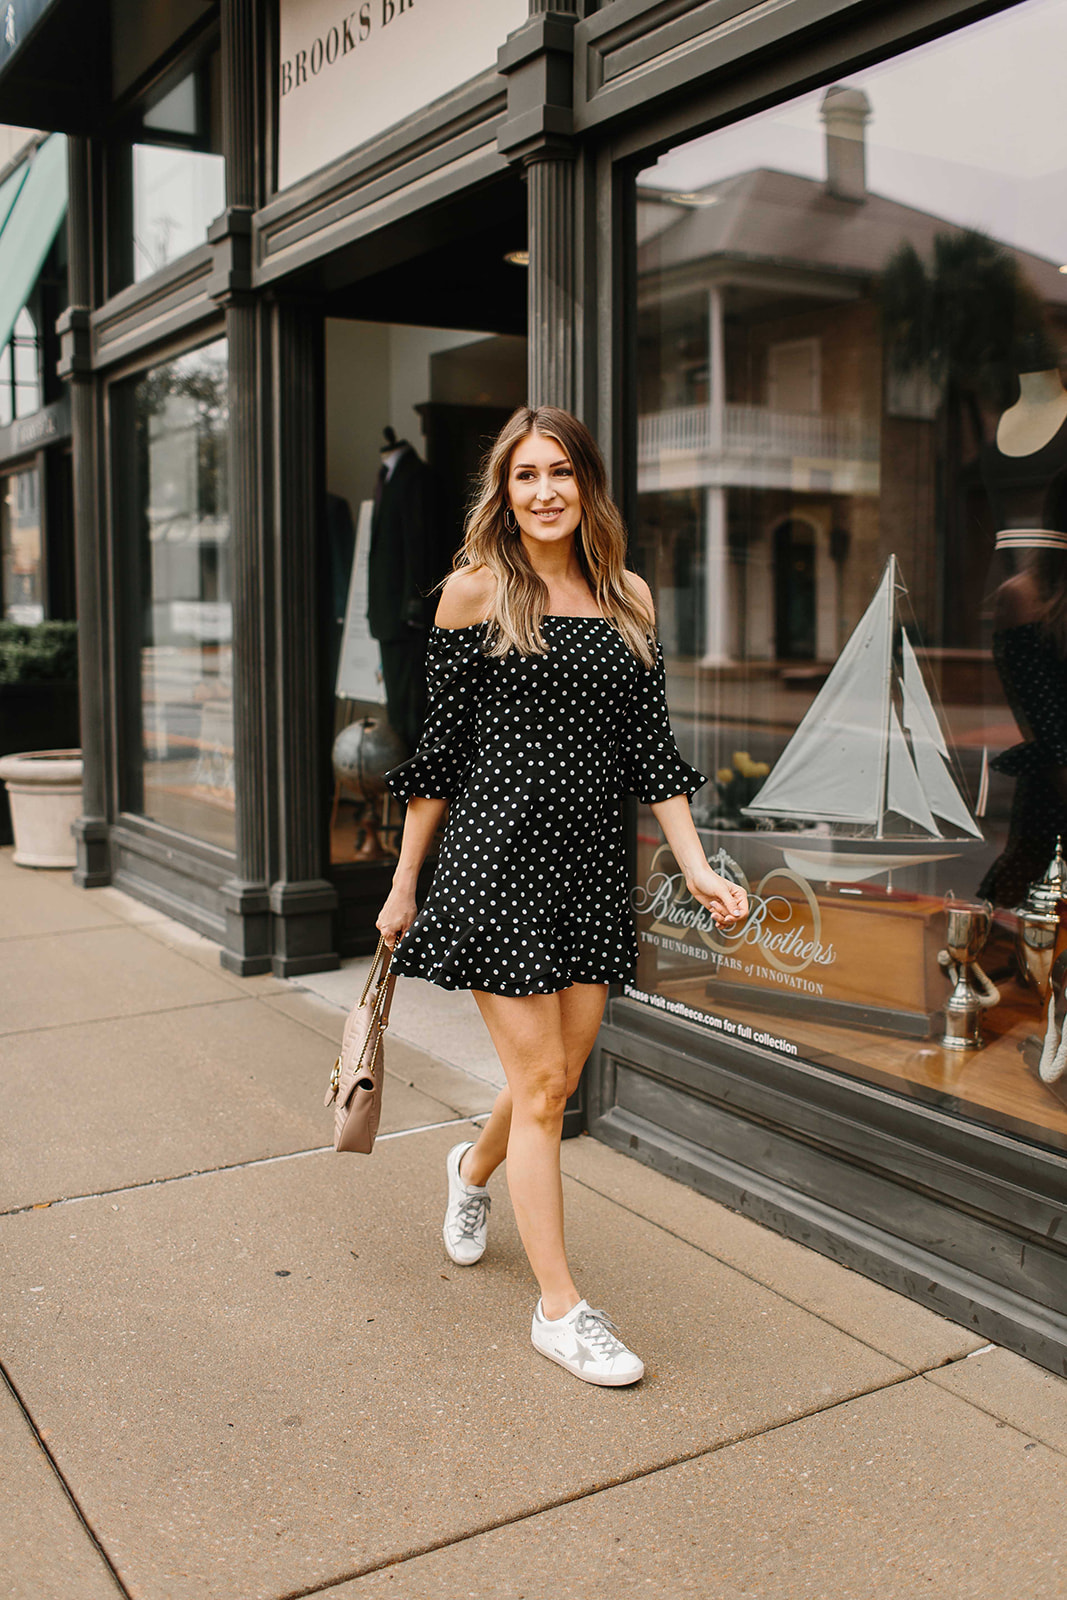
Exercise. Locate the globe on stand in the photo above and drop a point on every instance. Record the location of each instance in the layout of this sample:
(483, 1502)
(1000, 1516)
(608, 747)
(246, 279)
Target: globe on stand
(362, 754)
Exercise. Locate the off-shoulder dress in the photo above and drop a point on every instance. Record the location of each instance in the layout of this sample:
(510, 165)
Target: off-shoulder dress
(534, 755)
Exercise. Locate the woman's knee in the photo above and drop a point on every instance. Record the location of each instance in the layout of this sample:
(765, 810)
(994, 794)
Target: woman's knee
(542, 1095)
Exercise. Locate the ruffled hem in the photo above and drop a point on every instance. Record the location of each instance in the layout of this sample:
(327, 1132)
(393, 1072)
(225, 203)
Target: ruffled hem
(454, 955)
(436, 772)
(677, 778)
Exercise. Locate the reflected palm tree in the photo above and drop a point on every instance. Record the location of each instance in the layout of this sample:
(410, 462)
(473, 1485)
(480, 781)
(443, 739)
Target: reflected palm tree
(960, 320)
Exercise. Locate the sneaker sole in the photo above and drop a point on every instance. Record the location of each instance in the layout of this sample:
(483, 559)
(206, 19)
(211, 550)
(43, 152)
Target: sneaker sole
(609, 1382)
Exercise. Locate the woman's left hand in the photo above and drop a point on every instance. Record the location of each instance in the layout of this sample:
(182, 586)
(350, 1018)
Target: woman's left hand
(727, 902)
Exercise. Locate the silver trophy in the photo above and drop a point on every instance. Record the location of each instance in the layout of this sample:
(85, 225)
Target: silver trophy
(968, 925)
(1039, 924)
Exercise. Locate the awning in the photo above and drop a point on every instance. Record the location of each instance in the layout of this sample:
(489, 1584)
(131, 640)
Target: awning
(32, 220)
(9, 191)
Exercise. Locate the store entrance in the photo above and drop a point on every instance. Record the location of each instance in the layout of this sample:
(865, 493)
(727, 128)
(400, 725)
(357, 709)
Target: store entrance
(424, 363)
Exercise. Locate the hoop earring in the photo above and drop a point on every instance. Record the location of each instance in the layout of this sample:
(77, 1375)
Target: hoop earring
(512, 526)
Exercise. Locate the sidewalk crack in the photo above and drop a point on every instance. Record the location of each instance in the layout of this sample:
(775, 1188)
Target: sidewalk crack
(637, 1476)
(57, 1471)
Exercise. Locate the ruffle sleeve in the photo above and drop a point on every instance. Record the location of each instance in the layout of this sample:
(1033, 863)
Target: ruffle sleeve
(652, 767)
(442, 762)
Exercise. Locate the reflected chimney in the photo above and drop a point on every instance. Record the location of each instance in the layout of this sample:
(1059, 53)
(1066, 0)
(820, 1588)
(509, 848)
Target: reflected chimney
(846, 113)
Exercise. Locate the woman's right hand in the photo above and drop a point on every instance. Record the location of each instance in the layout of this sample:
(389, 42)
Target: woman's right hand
(398, 913)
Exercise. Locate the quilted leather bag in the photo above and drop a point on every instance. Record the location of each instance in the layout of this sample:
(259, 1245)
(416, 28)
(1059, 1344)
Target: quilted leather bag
(355, 1088)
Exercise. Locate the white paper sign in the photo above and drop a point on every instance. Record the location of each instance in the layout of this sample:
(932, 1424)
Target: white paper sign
(348, 71)
(359, 671)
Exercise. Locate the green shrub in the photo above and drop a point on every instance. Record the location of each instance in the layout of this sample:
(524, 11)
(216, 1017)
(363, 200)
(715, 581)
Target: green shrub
(46, 652)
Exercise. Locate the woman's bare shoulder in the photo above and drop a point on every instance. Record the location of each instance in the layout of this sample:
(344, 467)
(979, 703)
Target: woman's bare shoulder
(466, 598)
(642, 595)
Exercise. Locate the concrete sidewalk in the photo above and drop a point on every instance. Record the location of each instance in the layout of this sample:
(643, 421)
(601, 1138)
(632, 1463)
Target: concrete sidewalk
(241, 1367)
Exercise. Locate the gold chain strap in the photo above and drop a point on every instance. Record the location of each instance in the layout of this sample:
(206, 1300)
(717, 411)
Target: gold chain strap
(378, 1006)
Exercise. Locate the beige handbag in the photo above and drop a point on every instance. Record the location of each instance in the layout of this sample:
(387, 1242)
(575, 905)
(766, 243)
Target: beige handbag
(355, 1090)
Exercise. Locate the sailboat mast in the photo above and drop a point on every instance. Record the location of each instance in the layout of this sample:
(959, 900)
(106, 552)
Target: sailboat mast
(887, 680)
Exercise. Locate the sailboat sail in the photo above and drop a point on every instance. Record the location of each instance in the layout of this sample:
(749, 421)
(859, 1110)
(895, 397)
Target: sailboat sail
(904, 791)
(930, 750)
(833, 768)
(850, 760)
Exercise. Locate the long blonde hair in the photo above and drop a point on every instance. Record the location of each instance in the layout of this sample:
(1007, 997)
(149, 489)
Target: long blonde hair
(521, 596)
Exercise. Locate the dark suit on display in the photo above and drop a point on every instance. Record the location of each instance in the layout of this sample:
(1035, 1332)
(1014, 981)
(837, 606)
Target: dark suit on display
(405, 563)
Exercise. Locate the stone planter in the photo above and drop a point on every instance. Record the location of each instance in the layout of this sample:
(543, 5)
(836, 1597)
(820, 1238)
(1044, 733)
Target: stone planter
(44, 788)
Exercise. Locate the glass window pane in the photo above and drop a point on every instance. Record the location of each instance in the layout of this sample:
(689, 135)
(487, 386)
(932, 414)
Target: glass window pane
(852, 507)
(177, 194)
(26, 360)
(21, 587)
(176, 112)
(7, 393)
(186, 617)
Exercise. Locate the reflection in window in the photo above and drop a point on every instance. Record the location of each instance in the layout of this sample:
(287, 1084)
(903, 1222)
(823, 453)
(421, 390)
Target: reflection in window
(186, 663)
(178, 176)
(852, 505)
(21, 584)
(20, 370)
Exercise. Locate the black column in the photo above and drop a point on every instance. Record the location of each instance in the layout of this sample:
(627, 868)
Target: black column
(301, 899)
(552, 290)
(91, 828)
(537, 133)
(245, 897)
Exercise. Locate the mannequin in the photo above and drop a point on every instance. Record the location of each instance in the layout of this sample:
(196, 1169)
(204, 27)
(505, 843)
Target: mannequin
(1029, 454)
(403, 568)
(1036, 417)
(1025, 472)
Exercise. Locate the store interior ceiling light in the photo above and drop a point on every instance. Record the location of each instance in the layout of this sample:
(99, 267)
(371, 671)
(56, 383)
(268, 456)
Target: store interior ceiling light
(518, 258)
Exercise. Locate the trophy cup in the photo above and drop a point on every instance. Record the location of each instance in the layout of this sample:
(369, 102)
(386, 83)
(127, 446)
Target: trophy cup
(1039, 924)
(972, 992)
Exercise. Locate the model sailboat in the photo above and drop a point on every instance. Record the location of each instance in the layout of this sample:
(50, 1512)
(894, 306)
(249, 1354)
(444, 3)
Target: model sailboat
(869, 755)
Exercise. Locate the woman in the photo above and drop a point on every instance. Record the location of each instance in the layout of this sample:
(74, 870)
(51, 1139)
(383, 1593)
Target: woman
(546, 704)
(1030, 653)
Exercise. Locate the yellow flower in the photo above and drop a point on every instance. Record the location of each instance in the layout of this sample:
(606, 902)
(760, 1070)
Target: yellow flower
(725, 775)
(743, 763)
(760, 769)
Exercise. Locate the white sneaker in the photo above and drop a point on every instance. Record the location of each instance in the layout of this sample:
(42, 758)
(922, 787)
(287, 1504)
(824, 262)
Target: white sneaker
(467, 1214)
(585, 1342)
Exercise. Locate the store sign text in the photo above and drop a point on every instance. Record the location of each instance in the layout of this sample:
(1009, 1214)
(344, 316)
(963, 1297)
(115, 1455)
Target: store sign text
(338, 40)
(781, 936)
(347, 72)
(708, 1019)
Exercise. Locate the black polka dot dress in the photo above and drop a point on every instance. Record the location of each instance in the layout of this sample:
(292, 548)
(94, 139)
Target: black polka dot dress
(534, 755)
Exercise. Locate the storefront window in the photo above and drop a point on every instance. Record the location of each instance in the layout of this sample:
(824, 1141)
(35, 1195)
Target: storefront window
(410, 412)
(178, 176)
(185, 774)
(852, 465)
(20, 371)
(21, 588)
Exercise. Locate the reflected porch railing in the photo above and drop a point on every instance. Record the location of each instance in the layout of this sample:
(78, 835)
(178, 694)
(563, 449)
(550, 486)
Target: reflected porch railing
(756, 430)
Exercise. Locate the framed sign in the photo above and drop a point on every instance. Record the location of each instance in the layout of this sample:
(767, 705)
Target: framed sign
(346, 71)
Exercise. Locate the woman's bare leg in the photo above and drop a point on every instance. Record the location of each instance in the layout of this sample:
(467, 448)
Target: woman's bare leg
(581, 1013)
(542, 1041)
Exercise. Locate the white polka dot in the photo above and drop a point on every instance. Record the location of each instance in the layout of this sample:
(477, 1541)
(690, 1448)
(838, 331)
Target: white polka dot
(534, 755)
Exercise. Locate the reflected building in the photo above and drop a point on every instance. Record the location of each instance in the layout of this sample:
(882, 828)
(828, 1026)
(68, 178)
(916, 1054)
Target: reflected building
(781, 452)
